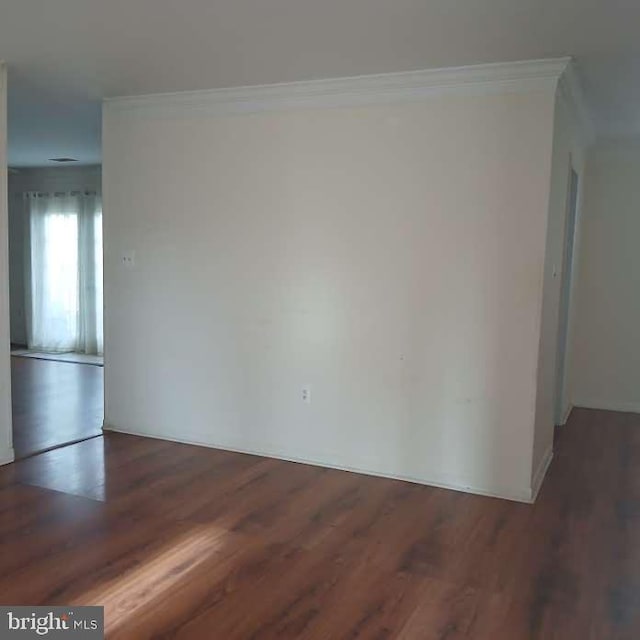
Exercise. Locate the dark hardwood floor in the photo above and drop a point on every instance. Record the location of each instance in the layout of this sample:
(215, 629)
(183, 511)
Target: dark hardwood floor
(54, 403)
(178, 541)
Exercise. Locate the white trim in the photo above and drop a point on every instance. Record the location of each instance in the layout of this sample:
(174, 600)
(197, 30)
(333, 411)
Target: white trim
(604, 405)
(567, 413)
(540, 473)
(571, 92)
(353, 91)
(517, 496)
(6, 456)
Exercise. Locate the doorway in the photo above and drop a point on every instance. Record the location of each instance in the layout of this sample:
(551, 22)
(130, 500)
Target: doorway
(562, 406)
(56, 307)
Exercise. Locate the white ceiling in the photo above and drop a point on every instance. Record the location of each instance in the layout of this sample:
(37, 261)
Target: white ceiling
(65, 55)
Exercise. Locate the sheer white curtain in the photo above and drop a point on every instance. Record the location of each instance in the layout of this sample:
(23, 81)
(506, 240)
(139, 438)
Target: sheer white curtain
(64, 262)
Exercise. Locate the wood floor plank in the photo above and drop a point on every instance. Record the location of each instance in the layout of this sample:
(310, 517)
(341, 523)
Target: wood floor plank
(178, 541)
(54, 403)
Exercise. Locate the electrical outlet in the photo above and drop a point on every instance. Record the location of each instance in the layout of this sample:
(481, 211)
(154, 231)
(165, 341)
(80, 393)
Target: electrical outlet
(306, 395)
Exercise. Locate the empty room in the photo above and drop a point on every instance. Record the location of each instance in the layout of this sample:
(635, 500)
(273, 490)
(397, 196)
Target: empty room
(319, 319)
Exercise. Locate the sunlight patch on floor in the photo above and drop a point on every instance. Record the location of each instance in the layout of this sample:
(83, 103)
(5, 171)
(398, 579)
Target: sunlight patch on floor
(154, 577)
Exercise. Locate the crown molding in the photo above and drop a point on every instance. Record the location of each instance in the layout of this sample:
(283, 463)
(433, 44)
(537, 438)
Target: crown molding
(570, 90)
(410, 86)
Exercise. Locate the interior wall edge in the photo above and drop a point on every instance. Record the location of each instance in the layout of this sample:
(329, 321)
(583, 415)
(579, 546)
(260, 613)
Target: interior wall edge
(6, 456)
(6, 434)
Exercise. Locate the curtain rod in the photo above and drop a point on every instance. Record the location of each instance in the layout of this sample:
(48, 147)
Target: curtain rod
(58, 194)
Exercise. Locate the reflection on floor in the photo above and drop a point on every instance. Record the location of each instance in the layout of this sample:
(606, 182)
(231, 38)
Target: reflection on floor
(54, 403)
(192, 543)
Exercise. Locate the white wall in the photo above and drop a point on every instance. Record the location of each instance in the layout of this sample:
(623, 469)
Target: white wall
(68, 178)
(568, 151)
(6, 441)
(606, 359)
(391, 257)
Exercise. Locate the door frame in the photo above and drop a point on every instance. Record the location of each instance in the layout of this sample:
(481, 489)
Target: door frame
(562, 402)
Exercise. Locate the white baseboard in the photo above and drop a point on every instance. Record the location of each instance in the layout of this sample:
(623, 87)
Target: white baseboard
(604, 405)
(6, 456)
(567, 413)
(541, 472)
(517, 496)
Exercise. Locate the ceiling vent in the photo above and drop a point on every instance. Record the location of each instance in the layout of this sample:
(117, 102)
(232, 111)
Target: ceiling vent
(62, 160)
